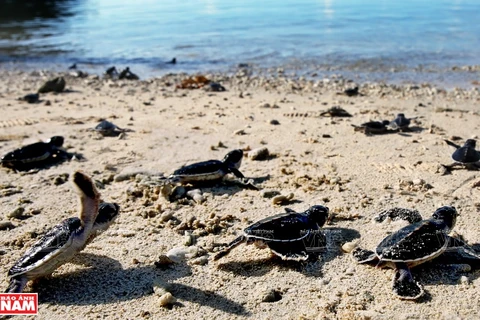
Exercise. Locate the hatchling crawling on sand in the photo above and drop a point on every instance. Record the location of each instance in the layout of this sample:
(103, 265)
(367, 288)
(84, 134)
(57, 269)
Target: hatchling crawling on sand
(290, 235)
(465, 155)
(108, 129)
(372, 127)
(66, 239)
(36, 155)
(410, 246)
(208, 171)
(401, 122)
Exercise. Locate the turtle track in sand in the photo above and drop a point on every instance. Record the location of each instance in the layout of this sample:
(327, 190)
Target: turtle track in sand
(18, 122)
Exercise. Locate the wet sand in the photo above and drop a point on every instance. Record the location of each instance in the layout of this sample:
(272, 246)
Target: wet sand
(318, 159)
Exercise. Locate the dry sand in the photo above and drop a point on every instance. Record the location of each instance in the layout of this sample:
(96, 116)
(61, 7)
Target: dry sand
(321, 160)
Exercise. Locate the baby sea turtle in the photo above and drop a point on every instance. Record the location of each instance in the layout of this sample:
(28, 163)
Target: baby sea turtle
(35, 155)
(214, 87)
(400, 122)
(127, 74)
(373, 127)
(210, 170)
(111, 72)
(66, 239)
(335, 111)
(108, 129)
(351, 92)
(410, 246)
(465, 155)
(31, 98)
(290, 235)
(54, 85)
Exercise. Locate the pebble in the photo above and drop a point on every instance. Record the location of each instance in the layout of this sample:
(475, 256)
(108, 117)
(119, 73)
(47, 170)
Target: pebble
(269, 193)
(196, 195)
(17, 213)
(348, 247)
(189, 238)
(274, 122)
(271, 295)
(201, 261)
(281, 199)
(181, 254)
(178, 192)
(166, 216)
(464, 280)
(240, 132)
(264, 105)
(6, 225)
(259, 153)
(167, 300)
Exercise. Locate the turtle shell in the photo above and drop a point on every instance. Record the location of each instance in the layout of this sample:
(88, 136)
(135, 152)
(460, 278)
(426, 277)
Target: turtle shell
(400, 121)
(284, 227)
(35, 152)
(415, 243)
(467, 153)
(201, 171)
(44, 256)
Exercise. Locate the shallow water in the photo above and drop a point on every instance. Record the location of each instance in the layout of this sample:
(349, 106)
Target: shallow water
(412, 40)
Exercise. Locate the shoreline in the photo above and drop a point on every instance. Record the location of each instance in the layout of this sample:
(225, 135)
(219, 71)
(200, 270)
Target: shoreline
(320, 160)
(463, 77)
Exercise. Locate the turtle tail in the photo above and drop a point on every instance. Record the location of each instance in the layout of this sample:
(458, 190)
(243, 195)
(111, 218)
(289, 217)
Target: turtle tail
(230, 246)
(16, 285)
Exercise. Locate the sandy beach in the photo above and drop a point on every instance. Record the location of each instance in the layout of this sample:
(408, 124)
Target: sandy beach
(312, 160)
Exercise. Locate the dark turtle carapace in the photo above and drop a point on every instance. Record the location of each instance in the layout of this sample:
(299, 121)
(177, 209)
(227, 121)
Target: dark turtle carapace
(410, 246)
(211, 170)
(373, 127)
(401, 122)
(108, 129)
(36, 155)
(465, 155)
(290, 235)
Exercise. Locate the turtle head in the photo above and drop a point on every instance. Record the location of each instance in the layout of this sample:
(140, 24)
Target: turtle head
(233, 158)
(385, 122)
(56, 141)
(470, 143)
(107, 213)
(447, 214)
(318, 214)
(400, 115)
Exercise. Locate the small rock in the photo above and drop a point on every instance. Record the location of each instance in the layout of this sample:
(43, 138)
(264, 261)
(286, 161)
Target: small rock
(281, 199)
(348, 247)
(259, 153)
(55, 85)
(201, 261)
(240, 132)
(269, 193)
(17, 213)
(181, 254)
(6, 225)
(264, 105)
(274, 122)
(189, 239)
(464, 280)
(166, 216)
(167, 300)
(271, 296)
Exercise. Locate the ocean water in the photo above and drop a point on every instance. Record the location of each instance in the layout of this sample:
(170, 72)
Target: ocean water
(409, 40)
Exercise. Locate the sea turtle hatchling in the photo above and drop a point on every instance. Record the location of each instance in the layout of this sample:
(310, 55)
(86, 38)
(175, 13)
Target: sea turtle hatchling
(36, 154)
(335, 111)
(108, 129)
(210, 170)
(66, 239)
(410, 246)
(401, 122)
(373, 127)
(465, 155)
(290, 235)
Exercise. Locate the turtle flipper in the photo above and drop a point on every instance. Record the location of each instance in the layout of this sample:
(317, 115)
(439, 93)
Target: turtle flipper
(450, 143)
(365, 256)
(294, 250)
(17, 284)
(236, 172)
(404, 286)
(230, 246)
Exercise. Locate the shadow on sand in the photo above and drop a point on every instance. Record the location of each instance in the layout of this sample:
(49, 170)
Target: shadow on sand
(105, 281)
